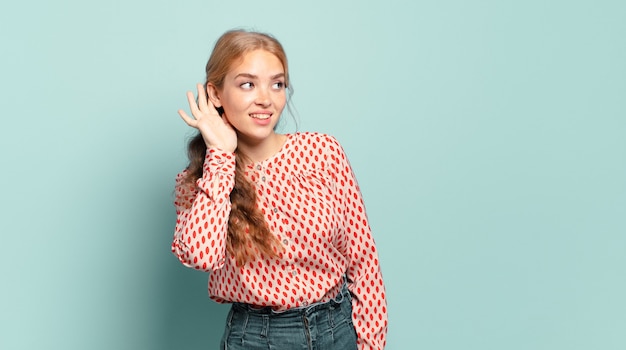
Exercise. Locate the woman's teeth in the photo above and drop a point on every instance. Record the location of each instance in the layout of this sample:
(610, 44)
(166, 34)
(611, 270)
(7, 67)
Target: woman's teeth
(260, 116)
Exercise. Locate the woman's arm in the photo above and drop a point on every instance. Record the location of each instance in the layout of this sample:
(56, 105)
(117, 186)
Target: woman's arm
(202, 213)
(369, 307)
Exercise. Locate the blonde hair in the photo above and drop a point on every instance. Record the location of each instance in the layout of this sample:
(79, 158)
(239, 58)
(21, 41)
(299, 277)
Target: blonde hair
(232, 46)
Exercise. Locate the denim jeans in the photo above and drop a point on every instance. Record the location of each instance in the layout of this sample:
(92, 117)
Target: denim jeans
(320, 326)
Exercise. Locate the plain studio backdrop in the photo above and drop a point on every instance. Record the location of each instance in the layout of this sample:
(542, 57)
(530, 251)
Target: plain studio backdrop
(488, 137)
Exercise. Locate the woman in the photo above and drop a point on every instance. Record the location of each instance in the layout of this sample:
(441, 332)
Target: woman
(276, 219)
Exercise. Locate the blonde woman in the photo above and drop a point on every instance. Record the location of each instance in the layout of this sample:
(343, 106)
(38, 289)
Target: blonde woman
(277, 220)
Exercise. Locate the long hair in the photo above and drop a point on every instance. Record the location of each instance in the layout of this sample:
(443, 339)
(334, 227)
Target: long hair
(248, 233)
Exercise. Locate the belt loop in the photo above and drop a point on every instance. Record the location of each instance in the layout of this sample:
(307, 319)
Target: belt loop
(246, 317)
(229, 318)
(266, 325)
(346, 291)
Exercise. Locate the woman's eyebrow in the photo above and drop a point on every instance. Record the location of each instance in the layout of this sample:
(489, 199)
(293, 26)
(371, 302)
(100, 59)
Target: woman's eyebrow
(252, 76)
(279, 75)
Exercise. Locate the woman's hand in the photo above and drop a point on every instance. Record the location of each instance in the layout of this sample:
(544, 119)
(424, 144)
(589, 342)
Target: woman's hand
(215, 129)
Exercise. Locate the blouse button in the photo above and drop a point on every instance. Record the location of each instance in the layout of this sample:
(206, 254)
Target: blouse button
(258, 167)
(275, 210)
(285, 242)
(263, 178)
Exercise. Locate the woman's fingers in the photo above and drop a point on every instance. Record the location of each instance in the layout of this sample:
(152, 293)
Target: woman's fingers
(202, 106)
(187, 119)
(204, 115)
(193, 105)
(202, 101)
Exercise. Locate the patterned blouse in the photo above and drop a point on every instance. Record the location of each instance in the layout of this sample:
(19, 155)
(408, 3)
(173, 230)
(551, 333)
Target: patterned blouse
(312, 203)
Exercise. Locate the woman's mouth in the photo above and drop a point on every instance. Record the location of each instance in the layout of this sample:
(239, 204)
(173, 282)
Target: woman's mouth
(260, 116)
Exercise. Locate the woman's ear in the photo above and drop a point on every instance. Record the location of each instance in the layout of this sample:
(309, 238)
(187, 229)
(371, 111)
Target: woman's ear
(213, 95)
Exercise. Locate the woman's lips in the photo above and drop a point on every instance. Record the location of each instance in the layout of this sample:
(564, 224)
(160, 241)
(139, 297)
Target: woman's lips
(261, 116)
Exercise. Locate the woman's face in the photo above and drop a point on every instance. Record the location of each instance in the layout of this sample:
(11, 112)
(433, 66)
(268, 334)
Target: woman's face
(253, 95)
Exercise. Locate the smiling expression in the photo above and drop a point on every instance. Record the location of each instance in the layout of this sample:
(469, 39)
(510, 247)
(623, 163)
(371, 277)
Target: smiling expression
(253, 96)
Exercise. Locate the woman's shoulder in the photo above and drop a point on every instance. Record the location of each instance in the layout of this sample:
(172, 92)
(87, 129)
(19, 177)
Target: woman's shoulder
(316, 147)
(316, 140)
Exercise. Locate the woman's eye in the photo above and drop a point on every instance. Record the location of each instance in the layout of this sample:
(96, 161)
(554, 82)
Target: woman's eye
(247, 85)
(278, 85)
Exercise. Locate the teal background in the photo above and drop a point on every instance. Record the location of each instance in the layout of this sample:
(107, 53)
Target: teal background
(488, 138)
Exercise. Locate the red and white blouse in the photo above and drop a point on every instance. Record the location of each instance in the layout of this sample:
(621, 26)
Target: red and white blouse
(312, 203)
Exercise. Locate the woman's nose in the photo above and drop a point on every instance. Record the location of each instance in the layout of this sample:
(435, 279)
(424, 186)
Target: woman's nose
(263, 97)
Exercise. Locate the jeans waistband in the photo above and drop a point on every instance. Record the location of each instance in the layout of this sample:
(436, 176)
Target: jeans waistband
(342, 296)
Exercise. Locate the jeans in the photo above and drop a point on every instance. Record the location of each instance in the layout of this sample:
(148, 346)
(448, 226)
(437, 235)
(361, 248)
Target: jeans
(320, 326)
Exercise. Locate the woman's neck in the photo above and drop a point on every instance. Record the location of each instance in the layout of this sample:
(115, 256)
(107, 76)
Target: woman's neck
(260, 151)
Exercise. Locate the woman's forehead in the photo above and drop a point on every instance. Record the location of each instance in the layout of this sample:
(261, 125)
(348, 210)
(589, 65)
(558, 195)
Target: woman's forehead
(259, 62)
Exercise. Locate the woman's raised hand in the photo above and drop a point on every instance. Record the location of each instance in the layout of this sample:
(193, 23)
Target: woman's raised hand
(215, 129)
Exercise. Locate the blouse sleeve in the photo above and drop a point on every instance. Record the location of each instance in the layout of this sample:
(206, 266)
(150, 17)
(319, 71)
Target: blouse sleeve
(202, 213)
(365, 282)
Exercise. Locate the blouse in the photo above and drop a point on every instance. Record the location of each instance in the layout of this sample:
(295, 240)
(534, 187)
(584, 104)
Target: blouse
(312, 203)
